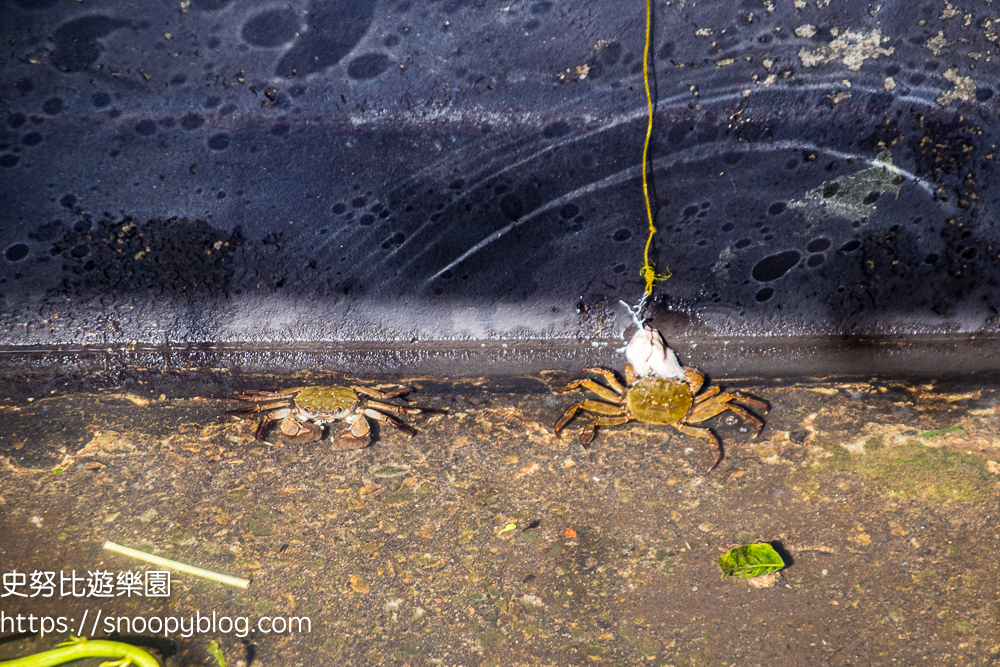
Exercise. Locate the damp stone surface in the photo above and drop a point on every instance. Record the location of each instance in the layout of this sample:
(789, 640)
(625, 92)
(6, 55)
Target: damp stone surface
(487, 540)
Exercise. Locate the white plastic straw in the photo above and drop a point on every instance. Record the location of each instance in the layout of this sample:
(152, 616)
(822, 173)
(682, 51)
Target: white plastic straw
(166, 562)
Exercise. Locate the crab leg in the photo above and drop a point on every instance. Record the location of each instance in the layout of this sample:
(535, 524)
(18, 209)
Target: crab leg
(609, 377)
(587, 434)
(707, 394)
(391, 421)
(591, 406)
(587, 383)
(747, 416)
(283, 414)
(713, 442)
(374, 393)
(259, 396)
(397, 409)
(719, 404)
(752, 400)
(710, 407)
(253, 409)
(258, 433)
(282, 411)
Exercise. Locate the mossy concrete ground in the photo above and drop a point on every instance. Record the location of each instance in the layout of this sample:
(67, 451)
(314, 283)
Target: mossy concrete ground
(487, 540)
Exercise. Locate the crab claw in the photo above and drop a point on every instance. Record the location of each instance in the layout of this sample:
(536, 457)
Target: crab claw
(294, 431)
(344, 441)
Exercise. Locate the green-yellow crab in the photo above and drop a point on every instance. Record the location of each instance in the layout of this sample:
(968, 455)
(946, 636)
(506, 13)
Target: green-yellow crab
(656, 400)
(304, 410)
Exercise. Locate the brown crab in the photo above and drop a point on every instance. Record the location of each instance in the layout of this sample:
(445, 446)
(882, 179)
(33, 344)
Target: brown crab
(304, 410)
(656, 400)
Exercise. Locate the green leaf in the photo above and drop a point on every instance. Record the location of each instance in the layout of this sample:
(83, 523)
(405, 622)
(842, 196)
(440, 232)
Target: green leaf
(750, 560)
(931, 434)
(216, 652)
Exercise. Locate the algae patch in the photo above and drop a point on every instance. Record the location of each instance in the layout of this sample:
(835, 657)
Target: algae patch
(850, 47)
(917, 470)
(852, 197)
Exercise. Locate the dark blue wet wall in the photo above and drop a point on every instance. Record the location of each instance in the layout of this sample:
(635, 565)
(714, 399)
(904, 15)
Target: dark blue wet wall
(343, 170)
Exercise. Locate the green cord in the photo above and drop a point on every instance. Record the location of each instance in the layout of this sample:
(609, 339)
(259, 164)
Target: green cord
(79, 648)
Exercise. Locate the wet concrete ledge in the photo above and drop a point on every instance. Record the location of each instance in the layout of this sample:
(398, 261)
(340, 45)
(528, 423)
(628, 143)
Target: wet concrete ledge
(971, 357)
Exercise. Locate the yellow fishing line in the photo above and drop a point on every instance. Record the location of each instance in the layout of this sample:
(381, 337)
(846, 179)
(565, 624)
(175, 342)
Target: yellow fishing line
(648, 273)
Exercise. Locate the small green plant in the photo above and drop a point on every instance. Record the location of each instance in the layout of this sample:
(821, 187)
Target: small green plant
(78, 648)
(932, 434)
(216, 652)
